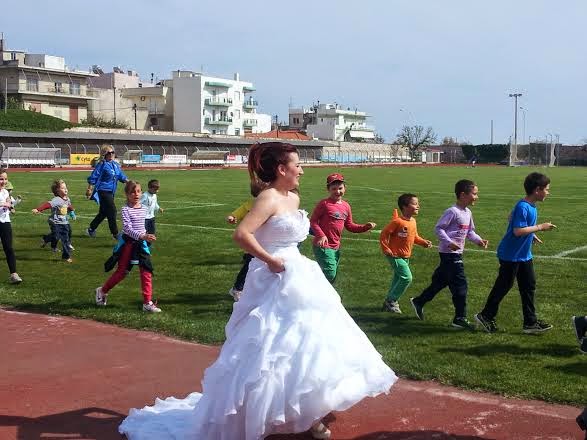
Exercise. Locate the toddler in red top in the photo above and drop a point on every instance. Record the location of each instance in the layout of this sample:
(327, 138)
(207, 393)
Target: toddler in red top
(329, 218)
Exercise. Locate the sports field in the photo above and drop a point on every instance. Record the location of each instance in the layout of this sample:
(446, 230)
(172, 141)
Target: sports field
(196, 261)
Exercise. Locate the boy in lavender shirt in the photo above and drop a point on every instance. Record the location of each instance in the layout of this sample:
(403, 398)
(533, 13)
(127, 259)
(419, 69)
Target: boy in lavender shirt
(455, 225)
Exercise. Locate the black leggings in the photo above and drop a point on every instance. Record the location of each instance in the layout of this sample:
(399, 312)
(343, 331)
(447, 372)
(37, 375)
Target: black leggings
(107, 210)
(6, 236)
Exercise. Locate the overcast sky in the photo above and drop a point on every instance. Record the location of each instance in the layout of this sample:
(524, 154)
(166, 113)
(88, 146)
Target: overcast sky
(447, 64)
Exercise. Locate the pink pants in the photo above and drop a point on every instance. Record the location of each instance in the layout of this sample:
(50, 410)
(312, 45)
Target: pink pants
(121, 272)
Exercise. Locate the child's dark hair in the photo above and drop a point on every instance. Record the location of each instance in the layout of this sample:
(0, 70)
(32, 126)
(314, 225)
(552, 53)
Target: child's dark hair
(535, 181)
(130, 186)
(464, 186)
(55, 185)
(3, 171)
(153, 183)
(405, 199)
(257, 186)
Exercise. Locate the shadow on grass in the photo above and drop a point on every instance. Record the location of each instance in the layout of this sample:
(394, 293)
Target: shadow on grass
(87, 423)
(575, 368)
(563, 351)
(373, 320)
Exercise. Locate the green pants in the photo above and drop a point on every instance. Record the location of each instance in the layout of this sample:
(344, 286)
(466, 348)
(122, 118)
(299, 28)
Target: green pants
(328, 261)
(402, 277)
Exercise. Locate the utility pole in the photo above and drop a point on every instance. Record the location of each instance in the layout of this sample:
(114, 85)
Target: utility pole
(515, 96)
(5, 94)
(134, 107)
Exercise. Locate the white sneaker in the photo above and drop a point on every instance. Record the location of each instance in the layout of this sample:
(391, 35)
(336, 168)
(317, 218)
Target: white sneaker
(71, 248)
(101, 299)
(150, 307)
(15, 279)
(236, 294)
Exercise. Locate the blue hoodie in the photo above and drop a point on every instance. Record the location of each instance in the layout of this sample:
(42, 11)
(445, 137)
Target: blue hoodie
(105, 177)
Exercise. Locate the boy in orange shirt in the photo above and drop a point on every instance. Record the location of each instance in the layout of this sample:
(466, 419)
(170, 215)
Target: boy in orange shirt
(397, 240)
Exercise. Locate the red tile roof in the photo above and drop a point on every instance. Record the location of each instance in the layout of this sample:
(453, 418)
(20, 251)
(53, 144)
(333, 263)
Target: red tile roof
(280, 134)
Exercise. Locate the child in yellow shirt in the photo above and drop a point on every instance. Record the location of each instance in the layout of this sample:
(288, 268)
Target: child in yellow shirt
(397, 240)
(236, 216)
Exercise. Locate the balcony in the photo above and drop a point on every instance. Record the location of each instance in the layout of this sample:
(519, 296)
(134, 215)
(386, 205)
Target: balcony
(248, 89)
(218, 102)
(250, 104)
(219, 121)
(250, 123)
(217, 84)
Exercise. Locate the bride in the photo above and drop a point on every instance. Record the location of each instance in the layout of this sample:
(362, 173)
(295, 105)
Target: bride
(292, 353)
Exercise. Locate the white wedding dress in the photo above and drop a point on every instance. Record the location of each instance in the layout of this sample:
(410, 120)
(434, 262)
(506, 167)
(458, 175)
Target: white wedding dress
(292, 355)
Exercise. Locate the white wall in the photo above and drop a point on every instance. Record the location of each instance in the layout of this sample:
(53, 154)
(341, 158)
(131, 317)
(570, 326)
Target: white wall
(46, 61)
(187, 104)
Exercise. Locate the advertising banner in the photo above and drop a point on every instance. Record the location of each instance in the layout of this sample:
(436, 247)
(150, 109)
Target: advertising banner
(83, 158)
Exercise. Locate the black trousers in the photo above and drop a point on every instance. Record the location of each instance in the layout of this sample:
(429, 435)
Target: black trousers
(523, 272)
(6, 237)
(239, 283)
(107, 210)
(449, 273)
(150, 225)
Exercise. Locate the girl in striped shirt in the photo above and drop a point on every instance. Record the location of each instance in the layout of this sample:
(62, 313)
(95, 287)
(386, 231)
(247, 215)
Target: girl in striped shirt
(132, 250)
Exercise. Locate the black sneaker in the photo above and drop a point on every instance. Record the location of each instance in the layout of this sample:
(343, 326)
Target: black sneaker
(462, 323)
(537, 327)
(418, 309)
(488, 324)
(580, 326)
(583, 346)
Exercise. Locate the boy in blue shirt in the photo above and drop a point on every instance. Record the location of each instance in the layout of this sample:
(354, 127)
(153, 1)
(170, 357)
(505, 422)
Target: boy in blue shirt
(515, 258)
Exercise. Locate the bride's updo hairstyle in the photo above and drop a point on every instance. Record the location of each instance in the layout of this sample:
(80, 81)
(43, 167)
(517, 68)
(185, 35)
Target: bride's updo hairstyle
(265, 158)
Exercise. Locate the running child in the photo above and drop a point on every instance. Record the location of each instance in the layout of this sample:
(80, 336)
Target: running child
(131, 250)
(233, 218)
(452, 229)
(329, 218)
(60, 207)
(150, 202)
(515, 258)
(397, 240)
(6, 207)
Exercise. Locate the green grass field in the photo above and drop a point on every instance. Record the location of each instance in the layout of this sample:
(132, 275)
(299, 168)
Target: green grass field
(196, 261)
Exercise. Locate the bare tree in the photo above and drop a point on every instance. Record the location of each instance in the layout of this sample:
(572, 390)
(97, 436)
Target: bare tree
(414, 137)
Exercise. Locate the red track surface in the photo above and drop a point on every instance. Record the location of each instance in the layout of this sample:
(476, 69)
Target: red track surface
(63, 378)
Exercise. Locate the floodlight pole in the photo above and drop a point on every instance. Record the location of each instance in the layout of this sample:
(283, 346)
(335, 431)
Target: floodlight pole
(515, 96)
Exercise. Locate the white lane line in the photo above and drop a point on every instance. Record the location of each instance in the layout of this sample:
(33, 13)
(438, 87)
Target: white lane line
(571, 251)
(393, 190)
(207, 205)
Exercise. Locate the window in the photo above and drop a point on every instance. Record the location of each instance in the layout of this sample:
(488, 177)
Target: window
(213, 131)
(74, 88)
(203, 112)
(58, 87)
(32, 84)
(237, 131)
(13, 56)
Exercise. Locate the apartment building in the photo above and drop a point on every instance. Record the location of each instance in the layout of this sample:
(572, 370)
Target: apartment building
(44, 83)
(214, 105)
(332, 122)
(123, 97)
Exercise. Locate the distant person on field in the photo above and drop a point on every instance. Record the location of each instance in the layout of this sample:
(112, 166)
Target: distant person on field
(102, 188)
(61, 207)
(452, 229)
(132, 250)
(233, 218)
(329, 218)
(150, 202)
(515, 258)
(6, 207)
(397, 240)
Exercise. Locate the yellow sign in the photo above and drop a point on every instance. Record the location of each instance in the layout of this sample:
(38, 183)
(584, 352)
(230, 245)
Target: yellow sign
(82, 159)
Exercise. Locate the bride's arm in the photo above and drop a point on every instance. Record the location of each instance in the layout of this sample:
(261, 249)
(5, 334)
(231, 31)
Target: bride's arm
(264, 207)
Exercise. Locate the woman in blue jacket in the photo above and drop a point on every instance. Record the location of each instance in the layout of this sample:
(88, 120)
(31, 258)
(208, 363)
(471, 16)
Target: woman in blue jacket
(102, 187)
